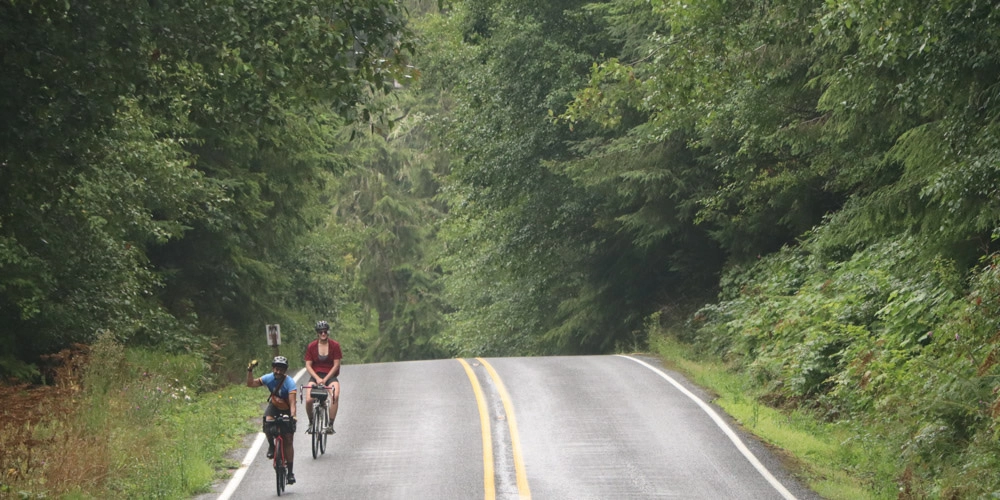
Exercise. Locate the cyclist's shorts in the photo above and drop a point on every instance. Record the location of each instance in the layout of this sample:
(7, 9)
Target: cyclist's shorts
(321, 375)
(273, 411)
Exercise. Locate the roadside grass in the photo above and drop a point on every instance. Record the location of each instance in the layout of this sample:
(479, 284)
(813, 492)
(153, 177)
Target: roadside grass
(823, 455)
(137, 424)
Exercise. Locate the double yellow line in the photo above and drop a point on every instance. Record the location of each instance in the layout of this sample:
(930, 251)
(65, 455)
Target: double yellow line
(484, 421)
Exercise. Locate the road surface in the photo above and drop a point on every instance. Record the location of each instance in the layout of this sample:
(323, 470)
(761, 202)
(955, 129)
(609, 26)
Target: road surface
(587, 427)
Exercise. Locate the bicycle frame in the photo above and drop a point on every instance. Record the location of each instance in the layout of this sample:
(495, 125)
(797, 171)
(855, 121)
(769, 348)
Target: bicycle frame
(281, 425)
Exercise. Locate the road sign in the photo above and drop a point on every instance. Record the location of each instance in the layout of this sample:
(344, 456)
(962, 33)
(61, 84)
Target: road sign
(273, 335)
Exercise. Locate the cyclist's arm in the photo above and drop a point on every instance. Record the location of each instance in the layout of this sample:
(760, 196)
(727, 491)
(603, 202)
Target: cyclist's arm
(253, 382)
(335, 370)
(310, 357)
(338, 355)
(311, 370)
(289, 385)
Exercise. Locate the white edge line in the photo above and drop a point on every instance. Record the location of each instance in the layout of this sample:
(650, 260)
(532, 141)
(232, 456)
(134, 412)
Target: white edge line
(725, 428)
(234, 482)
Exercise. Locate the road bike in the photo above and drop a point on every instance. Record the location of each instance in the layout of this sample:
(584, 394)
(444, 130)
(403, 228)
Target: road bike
(320, 417)
(277, 429)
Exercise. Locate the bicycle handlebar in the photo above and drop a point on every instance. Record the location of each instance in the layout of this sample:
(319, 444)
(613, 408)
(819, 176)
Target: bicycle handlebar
(327, 387)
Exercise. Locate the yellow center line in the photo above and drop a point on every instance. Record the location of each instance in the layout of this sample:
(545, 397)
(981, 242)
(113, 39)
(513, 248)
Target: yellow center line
(515, 442)
(484, 421)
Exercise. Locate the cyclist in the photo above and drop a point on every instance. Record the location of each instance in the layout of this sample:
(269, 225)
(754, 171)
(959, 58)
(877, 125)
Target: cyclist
(281, 402)
(323, 357)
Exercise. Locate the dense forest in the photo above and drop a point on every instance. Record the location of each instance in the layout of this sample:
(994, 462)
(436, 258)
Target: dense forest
(807, 189)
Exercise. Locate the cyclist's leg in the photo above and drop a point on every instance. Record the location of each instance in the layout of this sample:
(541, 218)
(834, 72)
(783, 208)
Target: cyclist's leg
(309, 404)
(269, 413)
(289, 450)
(270, 438)
(288, 439)
(335, 400)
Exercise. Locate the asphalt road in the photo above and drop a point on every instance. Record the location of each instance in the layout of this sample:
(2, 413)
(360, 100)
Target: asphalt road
(591, 427)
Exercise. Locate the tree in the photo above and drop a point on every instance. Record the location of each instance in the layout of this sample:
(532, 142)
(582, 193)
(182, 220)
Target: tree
(387, 199)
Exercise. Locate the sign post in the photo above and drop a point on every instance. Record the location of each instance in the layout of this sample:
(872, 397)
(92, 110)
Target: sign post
(274, 337)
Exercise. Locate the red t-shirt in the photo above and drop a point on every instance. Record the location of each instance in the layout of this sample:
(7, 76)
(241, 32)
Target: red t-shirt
(324, 365)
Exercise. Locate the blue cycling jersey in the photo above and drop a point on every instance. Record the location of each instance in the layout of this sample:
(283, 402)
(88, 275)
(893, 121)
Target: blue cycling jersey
(287, 385)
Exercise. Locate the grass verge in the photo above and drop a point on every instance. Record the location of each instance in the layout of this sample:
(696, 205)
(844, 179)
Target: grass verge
(135, 425)
(823, 455)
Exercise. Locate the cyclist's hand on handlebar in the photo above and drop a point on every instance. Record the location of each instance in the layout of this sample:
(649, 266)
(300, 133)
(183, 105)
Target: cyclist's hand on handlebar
(252, 365)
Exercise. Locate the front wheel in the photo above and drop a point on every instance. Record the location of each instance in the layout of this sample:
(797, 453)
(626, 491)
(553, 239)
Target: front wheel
(316, 430)
(323, 436)
(279, 464)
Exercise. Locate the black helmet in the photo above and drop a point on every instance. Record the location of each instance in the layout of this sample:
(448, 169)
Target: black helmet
(280, 361)
(322, 325)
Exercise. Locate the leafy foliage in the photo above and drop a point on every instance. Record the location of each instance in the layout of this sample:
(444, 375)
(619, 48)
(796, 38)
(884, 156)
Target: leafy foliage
(885, 341)
(558, 239)
(161, 161)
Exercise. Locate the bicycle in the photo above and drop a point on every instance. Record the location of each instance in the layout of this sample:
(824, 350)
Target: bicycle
(320, 417)
(277, 429)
